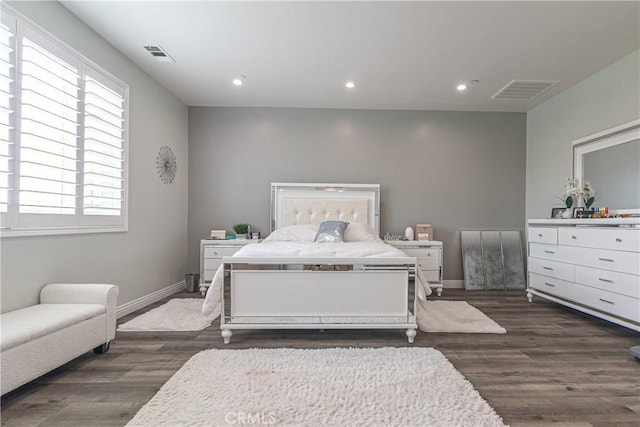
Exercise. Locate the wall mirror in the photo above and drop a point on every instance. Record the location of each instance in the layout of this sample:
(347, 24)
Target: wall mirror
(610, 161)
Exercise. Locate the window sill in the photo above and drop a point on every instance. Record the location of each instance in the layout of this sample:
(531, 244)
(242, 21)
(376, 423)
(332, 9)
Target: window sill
(33, 232)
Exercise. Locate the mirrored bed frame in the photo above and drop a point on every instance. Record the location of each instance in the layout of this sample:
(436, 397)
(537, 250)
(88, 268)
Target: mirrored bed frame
(345, 293)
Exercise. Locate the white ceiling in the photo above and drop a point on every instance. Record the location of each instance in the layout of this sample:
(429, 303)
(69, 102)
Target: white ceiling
(402, 55)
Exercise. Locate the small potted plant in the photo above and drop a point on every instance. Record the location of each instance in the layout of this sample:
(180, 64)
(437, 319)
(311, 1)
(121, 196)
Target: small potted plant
(241, 231)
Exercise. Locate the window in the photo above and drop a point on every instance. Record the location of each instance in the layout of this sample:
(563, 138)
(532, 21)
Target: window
(63, 139)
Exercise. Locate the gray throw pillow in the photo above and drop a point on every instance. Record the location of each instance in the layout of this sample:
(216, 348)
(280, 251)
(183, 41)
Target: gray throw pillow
(331, 232)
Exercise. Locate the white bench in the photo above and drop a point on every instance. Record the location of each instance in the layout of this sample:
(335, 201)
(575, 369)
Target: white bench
(70, 320)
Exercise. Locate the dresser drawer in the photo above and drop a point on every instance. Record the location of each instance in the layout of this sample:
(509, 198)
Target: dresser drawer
(609, 302)
(543, 235)
(552, 252)
(620, 283)
(623, 262)
(550, 285)
(220, 251)
(621, 239)
(559, 270)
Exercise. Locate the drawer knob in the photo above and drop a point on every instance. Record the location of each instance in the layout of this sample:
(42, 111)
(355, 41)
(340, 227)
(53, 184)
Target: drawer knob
(606, 259)
(574, 237)
(539, 234)
(607, 301)
(605, 280)
(619, 240)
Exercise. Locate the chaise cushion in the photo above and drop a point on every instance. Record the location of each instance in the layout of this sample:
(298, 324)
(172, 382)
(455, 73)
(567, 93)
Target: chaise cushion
(33, 322)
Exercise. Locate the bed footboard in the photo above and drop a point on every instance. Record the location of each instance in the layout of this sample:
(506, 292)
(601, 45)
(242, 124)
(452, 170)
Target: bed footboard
(318, 294)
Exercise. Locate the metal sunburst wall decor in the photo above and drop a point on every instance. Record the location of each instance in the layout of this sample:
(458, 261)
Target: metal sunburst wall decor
(166, 164)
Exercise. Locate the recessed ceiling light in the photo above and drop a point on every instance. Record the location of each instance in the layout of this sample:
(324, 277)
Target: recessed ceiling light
(239, 81)
(461, 87)
(349, 85)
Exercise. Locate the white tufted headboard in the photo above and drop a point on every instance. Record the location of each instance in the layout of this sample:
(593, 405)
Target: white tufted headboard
(296, 203)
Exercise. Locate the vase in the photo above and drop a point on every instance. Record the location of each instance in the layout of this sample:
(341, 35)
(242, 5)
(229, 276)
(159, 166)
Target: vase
(568, 213)
(241, 236)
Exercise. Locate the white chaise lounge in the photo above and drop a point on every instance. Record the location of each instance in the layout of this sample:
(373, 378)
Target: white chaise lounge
(70, 320)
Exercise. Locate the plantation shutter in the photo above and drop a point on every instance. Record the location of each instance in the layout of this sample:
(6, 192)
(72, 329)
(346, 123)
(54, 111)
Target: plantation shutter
(63, 137)
(48, 133)
(7, 112)
(103, 147)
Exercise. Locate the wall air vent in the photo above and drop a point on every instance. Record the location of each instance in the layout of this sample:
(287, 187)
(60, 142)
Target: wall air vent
(524, 89)
(158, 53)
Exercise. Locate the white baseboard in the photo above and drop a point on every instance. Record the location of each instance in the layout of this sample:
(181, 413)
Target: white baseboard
(454, 284)
(144, 301)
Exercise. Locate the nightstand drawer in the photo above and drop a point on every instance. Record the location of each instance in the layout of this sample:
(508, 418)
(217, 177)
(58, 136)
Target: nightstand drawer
(212, 263)
(428, 264)
(422, 252)
(432, 275)
(220, 251)
(208, 275)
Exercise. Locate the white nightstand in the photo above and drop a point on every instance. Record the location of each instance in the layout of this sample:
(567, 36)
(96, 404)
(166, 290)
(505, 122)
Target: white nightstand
(429, 257)
(211, 253)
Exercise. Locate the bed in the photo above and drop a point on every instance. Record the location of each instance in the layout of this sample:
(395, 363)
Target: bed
(290, 282)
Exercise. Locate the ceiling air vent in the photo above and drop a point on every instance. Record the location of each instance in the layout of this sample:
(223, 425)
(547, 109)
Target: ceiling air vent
(524, 89)
(159, 53)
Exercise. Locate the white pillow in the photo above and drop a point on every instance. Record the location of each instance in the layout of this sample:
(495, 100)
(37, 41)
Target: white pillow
(301, 233)
(359, 232)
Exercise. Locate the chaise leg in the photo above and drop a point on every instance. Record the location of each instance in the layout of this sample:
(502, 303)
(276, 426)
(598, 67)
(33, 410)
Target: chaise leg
(226, 335)
(101, 349)
(439, 291)
(530, 296)
(411, 334)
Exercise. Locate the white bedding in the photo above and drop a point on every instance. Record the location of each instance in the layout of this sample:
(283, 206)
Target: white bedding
(297, 249)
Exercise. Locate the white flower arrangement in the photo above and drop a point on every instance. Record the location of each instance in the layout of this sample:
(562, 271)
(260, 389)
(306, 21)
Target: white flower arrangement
(588, 194)
(573, 190)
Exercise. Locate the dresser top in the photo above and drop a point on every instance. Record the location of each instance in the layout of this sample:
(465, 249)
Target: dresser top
(613, 222)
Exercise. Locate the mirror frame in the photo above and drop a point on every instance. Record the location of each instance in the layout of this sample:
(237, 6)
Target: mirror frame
(598, 141)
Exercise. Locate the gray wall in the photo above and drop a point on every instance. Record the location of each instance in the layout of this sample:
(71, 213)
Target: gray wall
(454, 170)
(153, 254)
(606, 99)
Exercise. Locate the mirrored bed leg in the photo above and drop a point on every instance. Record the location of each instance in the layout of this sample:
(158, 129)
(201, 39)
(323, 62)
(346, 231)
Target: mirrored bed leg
(226, 335)
(411, 334)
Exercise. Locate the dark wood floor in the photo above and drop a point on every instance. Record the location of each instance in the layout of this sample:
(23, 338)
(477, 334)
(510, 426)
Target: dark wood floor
(554, 365)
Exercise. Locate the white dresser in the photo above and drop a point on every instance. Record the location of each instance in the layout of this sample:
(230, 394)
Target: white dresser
(211, 253)
(592, 265)
(429, 256)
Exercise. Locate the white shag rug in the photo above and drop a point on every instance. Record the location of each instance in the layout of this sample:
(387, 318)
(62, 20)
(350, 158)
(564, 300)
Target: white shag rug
(178, 314)
(326, 387)
(455, 316)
